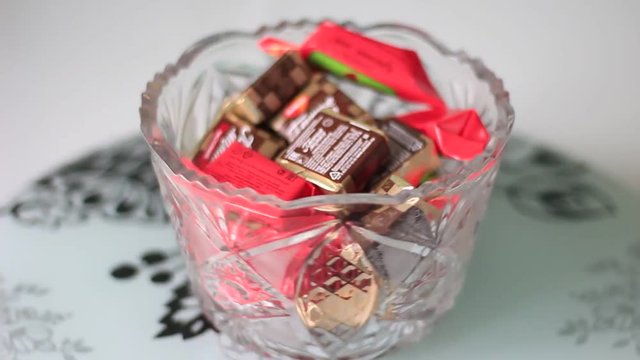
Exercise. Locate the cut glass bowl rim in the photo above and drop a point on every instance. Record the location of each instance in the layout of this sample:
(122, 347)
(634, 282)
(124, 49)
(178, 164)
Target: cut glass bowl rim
(447, 184)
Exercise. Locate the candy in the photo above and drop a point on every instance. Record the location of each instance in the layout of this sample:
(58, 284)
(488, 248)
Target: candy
(381, 218)
(273, 89)
(336, 153)
(230, 129)
(386, 219)
(319, 94)
(458, 134)
(309, 231)
(413, 156)
(386, 68)
(338, 288)
(246, 168)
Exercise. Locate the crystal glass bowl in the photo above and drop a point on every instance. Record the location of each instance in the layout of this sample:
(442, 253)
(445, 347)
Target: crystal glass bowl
(289, 279)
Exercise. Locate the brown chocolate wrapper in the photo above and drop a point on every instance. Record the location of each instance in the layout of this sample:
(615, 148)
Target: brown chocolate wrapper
(318, 95)
(413, 155)
(386, 219)
(273, 89)
(336, 153)
(229, 129)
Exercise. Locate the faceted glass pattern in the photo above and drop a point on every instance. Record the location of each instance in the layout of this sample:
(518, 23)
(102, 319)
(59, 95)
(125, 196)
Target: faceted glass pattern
(290, 279)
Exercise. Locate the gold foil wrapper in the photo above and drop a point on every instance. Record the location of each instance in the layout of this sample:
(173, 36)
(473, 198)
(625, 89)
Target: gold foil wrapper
(413, 155)
(382, 219)
(338, 290)
(425, 162)
(245, 107)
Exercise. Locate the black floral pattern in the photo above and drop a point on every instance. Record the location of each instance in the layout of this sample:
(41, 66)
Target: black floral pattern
(613, 309)
(545, 185)
(27, 330)
(116, 182)
(183, 316)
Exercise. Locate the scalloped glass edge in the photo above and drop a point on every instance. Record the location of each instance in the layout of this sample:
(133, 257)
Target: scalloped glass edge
(446, 184)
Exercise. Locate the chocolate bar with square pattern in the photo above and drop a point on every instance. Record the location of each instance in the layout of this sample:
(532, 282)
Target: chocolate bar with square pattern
(318, 95)
(336, 153)
(273, 89)
(229, 129)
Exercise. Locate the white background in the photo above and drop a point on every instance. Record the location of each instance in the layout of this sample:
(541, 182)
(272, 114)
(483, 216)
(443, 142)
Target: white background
(71, 71)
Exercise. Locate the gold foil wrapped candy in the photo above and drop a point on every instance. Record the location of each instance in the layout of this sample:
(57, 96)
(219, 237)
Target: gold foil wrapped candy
(338, 289)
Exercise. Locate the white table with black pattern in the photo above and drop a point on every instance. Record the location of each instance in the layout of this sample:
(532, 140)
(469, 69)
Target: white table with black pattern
(90, 270)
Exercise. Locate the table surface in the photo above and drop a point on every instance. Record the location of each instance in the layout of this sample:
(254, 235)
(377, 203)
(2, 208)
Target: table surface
(555, 272)
(71, 72)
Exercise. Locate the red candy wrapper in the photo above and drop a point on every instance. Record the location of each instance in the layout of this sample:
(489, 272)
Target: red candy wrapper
(243, 167)
(228, 130)
(458, 134)
(384, 67)
(248, 226)
(247, 223)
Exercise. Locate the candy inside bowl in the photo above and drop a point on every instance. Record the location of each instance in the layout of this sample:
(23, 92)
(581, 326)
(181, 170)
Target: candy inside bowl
(291, 264)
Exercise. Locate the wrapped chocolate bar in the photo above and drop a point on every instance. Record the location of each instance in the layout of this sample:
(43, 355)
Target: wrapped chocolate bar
(458, 133)
(384, 219)
(386, 68)
(413, 226)
(273, 89)
(413, 155)
(319, 94)
(336, 153)
(246, 168)
(229, 129)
